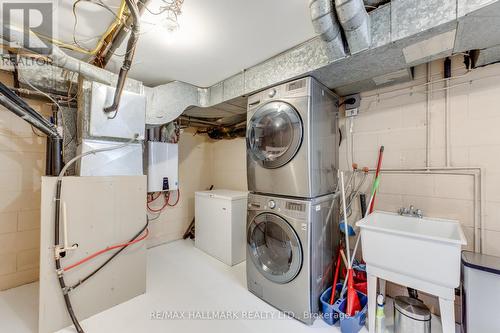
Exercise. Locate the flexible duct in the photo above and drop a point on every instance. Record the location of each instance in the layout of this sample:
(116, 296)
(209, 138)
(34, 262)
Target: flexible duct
(129, 56)
(356, 24)
(327, 26)
(58, 57)
(374, 3)
(122, 33)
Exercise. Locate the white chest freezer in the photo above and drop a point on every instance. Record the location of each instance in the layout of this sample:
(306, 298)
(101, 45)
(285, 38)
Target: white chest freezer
(220, 220)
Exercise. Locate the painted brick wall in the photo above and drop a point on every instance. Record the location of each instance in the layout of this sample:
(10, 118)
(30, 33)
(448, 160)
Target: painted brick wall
(22, 162)
(397, 119)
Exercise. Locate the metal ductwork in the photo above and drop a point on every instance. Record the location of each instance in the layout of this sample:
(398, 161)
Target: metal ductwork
(374, 3)
(356, 24)
(326, 25)
(59, 58)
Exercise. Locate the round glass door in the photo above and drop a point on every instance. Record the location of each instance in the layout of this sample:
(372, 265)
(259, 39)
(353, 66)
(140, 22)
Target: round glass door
(274, 248)
(274, 134)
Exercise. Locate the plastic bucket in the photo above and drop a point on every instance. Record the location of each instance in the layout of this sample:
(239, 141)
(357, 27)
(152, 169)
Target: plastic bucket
(329, 315)
(351, 324)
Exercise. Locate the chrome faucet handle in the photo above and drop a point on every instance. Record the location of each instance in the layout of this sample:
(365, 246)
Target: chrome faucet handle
(420, 213)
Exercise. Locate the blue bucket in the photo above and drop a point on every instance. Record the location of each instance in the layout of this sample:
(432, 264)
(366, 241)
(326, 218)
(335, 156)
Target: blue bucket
(351, 324)
(329, 315)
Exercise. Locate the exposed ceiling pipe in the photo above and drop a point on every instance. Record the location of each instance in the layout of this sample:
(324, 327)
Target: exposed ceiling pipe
(356, 24)
(59, 58)
(129, 56)
(122, 34)
(325, 24)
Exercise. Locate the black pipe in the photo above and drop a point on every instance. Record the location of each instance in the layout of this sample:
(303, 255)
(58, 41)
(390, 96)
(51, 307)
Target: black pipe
(129, 57)
(447, 68)
(80, 282)
(60, 276)
(49, 130)
(362, 203)
(48, 157)
(10, 96)
(56, 155)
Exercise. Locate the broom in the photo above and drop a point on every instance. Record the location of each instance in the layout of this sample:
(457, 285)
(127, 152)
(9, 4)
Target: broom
(353, 304)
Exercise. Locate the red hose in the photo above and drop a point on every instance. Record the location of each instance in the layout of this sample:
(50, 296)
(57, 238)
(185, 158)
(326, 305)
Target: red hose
(92, 256)
(379, 165)
(165, 204)
(176, 201)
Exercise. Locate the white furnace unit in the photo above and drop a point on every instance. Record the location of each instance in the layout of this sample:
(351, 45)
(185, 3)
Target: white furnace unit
(162, 166)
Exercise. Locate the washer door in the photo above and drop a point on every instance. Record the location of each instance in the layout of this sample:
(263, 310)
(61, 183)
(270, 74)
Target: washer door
(274, 248)
(274, 134)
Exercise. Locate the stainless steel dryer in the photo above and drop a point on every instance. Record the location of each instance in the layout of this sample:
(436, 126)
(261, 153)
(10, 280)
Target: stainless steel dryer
(290, 249)
(292, 140)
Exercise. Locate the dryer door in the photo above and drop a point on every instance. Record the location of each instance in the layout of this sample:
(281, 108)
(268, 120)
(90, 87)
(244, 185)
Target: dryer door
(274, 134)
(274, 248)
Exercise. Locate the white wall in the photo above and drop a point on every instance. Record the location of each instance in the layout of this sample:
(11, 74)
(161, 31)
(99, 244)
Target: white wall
(22, 162)
(229, 168)
(194, 175)
(397, 119)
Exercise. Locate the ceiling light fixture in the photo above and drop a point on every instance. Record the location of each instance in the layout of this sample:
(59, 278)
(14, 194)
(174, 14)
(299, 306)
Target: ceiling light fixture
(172, 10)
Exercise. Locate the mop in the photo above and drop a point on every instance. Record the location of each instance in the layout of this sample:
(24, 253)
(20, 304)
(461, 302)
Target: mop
(353, 304)
(375, 186)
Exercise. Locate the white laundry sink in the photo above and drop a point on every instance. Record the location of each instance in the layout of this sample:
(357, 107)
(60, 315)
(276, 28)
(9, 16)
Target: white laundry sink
(426, 251)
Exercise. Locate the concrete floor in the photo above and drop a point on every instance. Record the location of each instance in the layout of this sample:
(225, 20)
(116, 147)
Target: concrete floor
(180, 278)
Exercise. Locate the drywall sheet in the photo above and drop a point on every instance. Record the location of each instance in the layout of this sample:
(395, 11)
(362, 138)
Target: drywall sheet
(101, 211)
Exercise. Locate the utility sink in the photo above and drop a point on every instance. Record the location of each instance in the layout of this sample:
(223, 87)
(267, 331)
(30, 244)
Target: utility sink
(424, 248)
(420, 253)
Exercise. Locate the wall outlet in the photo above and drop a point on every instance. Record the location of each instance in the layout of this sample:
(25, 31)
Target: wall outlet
(351, 112)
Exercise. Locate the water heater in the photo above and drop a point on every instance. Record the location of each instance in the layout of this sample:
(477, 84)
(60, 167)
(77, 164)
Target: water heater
(162, 166)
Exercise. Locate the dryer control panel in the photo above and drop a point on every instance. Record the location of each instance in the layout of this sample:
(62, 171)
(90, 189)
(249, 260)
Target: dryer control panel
(297, 88)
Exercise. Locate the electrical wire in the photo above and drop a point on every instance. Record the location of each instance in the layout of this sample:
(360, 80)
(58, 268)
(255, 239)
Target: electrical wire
(60, 273)
(103, 251)
(119, 19)
(80, 282)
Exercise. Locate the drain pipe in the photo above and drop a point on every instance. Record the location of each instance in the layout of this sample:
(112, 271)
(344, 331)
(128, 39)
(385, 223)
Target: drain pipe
(356, 24)
(447, 75)
(326, 25)
(129, 57)
(122, 33)
(59, 58)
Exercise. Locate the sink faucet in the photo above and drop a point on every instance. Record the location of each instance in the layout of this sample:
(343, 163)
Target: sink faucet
(411, 211)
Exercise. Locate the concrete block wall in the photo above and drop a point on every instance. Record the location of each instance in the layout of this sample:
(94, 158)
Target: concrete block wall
(228, 164)
(203, 162)
(396, 117)
(22, 162)
(194, 175)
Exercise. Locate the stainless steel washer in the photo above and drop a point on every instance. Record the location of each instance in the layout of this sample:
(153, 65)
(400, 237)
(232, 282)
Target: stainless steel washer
(290, 250)
(292, 140)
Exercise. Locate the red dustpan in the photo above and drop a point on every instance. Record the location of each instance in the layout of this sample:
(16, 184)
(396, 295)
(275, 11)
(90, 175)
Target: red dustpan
(353, 304)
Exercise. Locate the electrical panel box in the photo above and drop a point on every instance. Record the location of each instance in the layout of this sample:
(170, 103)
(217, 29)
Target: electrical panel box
(162, 166)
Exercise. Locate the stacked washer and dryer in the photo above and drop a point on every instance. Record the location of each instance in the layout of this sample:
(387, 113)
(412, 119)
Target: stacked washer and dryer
(292, 162)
